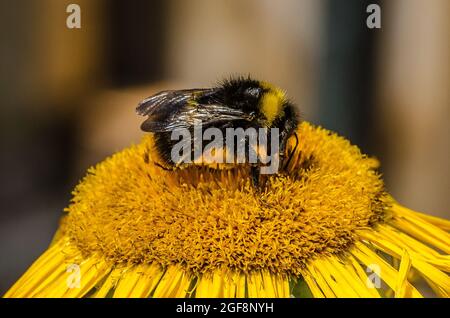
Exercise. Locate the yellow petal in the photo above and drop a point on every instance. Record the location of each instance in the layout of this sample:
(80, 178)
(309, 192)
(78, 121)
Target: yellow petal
(55, 271)
(362, 275)
(426, 269)
(42, 267)
(138, 281)
(270, 284)
(334, 279)
(401, 286)
(321, 282)
(174, 283)
(414, 246)
(240, 281)
(310, 281)
(348, 273)
(91, 273)
(387, 273)
(210, 285)
(425, 232)
(281, 284)
(107, 287)
(74, 280)
(147, 282)
(436, 221)
(255, 285)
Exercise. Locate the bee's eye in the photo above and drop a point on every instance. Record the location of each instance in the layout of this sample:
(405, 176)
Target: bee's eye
(253, 91)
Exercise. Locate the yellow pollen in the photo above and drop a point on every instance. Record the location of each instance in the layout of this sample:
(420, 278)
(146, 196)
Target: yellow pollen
(131, 211)
(272, 102)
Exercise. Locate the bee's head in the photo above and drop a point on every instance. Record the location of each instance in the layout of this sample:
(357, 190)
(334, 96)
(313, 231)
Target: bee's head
(266, 101)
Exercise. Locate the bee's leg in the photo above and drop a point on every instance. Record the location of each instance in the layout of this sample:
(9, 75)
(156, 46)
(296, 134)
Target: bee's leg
(292, 152)
(162, 167)
(255, 172)
(282, 149)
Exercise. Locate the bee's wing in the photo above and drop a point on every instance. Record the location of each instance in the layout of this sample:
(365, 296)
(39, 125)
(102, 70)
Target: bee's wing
(170, 110)
(166, 101)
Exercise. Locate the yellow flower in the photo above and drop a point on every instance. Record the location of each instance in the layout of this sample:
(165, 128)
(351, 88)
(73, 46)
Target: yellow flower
(325, 228)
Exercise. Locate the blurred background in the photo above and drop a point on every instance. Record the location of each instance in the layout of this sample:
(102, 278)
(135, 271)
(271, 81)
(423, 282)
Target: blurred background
(68, 96)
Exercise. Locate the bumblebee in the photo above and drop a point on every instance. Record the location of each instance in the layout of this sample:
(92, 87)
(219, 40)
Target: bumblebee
(238, 103)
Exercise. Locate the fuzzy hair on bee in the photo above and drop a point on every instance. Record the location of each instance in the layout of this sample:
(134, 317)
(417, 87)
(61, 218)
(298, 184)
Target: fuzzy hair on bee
(235, 103)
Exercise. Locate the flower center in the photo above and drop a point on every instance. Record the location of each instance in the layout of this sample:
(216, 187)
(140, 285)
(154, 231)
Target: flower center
(132, 211)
